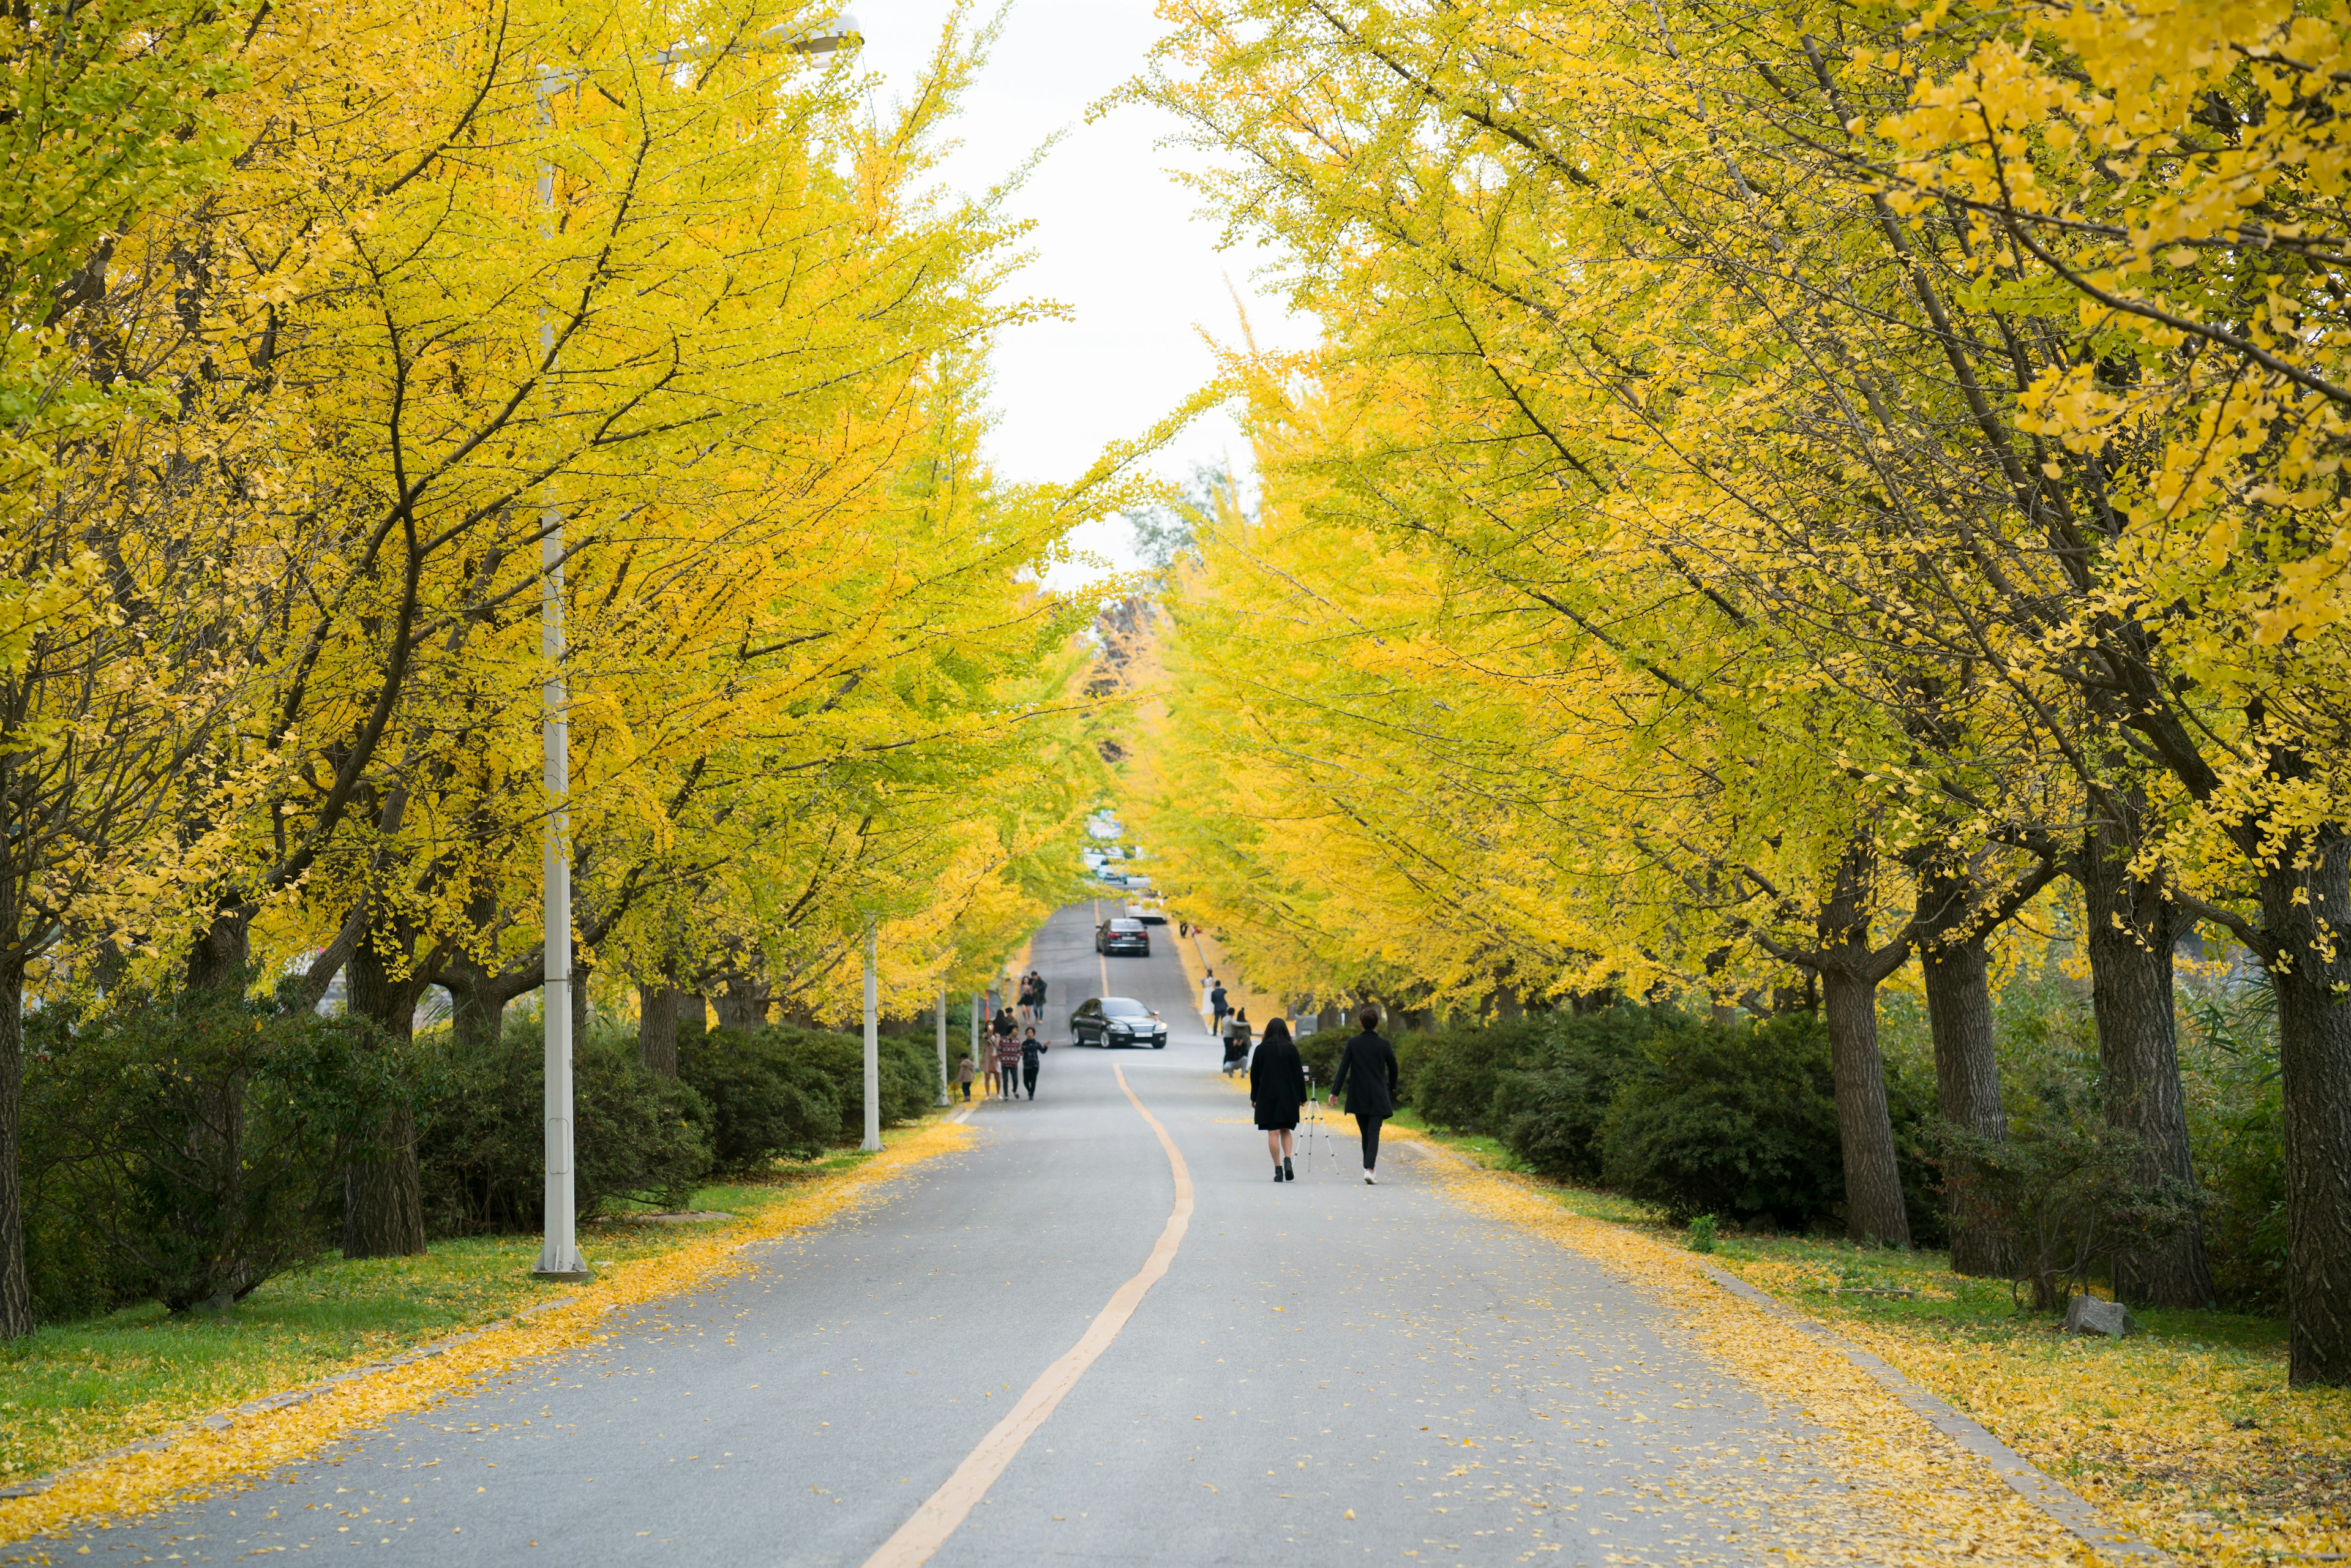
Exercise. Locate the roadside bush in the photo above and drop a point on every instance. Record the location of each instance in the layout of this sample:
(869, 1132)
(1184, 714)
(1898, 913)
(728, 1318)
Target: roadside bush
(1549, 1108)
(1320, 1051)
(186, 1148)
(786, 1092)
(2061, 1188)
(1734, 1119)
(481, 1146)
(2236, 1123)
(1451, 1076)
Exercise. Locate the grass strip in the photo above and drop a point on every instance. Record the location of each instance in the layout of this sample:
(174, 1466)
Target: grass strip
(83, 1389)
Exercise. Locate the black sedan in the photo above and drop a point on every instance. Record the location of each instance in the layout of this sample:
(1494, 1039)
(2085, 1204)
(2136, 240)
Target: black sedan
(1115, 937)
(1117, 1020)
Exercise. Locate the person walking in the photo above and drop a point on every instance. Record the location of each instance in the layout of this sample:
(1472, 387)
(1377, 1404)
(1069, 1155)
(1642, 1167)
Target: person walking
(1007, 1052)
(1217, 1008)
(1032, 1057)
(1036, 997)
(1277, 1089)
(1367, 1070)
(964, 1073)
(1236, 1041)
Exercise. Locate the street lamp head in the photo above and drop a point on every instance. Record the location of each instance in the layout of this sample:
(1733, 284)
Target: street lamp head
(841, 33)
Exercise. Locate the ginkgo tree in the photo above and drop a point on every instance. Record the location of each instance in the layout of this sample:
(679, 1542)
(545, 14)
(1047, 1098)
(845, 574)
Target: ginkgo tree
(1640, 318)
(409, 290)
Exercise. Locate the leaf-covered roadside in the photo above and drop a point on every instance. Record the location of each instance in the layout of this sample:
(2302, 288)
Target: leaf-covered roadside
(2184, 1433)
(75, 1390)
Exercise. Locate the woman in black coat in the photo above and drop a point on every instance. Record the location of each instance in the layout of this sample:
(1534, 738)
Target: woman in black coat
(1278, 1088)
(1367, 1070)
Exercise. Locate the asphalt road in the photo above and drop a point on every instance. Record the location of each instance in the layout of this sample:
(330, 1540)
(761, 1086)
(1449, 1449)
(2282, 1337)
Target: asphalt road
(1328, 1372)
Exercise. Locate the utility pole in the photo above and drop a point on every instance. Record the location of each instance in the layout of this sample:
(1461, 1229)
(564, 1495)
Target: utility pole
(873, 1144)
(943, 1044)
(558, 1252)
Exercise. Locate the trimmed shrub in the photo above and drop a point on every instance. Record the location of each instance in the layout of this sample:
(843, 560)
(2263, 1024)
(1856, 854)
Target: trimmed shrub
(1451, 1076)
(482, 1143)
(1736, 1120)
(786, 1092)
(770, 1099)
(1320, 1051)
(184, 1149)
(1548, 1109)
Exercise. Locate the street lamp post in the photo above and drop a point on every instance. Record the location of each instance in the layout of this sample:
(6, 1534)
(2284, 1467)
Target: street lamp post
(558, 1252)
(873, 1144)
(943, 1096)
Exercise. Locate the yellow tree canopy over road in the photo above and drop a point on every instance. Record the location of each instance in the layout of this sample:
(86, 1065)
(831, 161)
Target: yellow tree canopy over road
(1830, 473)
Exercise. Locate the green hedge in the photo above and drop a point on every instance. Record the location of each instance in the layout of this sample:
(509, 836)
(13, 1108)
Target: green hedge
(482, 1137)
(184, 1148)
(1736, 1118)
(785, 1093)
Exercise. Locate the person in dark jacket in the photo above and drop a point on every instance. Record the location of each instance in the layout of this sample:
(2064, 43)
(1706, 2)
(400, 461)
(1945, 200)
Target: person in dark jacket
(1367, 1070)
(1276, 1088)
(1032, 1056)
(1236, 1041)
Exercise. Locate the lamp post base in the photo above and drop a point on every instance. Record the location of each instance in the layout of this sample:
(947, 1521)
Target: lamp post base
(567, 1276)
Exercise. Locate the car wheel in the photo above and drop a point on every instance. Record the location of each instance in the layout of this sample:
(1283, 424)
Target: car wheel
(1158, 1045)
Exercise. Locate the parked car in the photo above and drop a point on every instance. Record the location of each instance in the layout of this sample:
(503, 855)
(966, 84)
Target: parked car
(1117, 1020)
(1121, 936)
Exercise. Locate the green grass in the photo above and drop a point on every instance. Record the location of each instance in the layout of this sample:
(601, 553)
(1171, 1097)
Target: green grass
(71, 1390)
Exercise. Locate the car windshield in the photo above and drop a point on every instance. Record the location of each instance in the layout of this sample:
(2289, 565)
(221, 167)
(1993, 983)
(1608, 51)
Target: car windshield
(1125, 1008)
(1126, 925)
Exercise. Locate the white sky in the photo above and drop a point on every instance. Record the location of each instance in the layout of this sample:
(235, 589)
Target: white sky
(1115, 239)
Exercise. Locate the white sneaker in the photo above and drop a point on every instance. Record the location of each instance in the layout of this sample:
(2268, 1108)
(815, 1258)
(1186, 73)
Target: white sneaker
(1368, 1179)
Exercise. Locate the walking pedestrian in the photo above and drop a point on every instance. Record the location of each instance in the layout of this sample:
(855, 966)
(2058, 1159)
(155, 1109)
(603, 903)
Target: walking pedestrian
(1236, 1041)
(1367, 1070)
(1276, 1088)
(1029, 996)
(1007, 1052)
(1217, 1007)
(964, 1073)
(1032, 1057)
(1037, 1001)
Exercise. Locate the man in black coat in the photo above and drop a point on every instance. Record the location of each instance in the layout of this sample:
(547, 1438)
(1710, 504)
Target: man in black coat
(1367, 1070)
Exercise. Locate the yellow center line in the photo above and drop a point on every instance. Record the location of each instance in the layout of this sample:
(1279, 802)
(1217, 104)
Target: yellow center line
(946, 1508)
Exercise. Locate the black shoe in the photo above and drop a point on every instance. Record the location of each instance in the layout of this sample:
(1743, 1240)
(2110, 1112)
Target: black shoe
(1287, 1173)
(1278, 1175)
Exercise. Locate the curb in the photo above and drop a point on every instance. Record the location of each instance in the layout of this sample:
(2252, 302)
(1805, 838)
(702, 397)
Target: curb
(2023, 1476)
(221, 1419)
(2028, 1481)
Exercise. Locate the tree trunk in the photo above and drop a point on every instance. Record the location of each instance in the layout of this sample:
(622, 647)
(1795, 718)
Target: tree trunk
(1873, 1180)
(383, 1192)
(578, 991)
(15, 1285)
(742, 1005)
(1967, 1084)
(477, 1014)
(222, 951)
(693, 1019)
(1850, 972)
(2306, 910)
(657, 1011)
(2132, 927)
